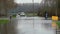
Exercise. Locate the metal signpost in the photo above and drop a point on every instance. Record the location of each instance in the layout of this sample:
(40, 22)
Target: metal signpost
(54, 20)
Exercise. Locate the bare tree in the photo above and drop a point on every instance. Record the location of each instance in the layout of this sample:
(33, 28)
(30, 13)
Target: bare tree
(6, 5)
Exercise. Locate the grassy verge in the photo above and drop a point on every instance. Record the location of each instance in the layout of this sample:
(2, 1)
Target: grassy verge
(4, 21)
(14, 16)
(31, 14)
(58, 23)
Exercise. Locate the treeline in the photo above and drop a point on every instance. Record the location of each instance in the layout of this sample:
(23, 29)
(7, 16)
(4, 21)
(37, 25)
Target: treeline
(53, 9)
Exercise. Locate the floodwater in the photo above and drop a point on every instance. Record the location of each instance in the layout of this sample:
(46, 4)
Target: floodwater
(34, 25)
(30, 25)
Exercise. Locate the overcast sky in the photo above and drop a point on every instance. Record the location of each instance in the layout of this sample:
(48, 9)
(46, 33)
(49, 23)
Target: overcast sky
(27, 1)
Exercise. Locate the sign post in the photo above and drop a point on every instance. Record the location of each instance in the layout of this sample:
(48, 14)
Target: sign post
(54, 20)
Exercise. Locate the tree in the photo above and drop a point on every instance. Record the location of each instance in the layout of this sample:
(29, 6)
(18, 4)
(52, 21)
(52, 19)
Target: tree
(5, 6)
(51, 6)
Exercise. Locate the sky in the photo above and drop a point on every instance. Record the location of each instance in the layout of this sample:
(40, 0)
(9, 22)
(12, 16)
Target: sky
(27, 1)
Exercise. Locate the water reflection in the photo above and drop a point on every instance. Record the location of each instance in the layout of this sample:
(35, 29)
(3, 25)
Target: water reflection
(38, 27)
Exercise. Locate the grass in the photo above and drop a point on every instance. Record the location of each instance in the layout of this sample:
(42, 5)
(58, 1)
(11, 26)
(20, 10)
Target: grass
(58, 23)
(14, 16)
(4, 21)
(31, 14)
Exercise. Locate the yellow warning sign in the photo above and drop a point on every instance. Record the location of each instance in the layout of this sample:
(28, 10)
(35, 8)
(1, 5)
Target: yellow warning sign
(54, 17)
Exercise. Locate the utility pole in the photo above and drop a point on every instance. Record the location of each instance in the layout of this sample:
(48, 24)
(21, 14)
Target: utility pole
(33, 12)
(56, 7)
(56, 12)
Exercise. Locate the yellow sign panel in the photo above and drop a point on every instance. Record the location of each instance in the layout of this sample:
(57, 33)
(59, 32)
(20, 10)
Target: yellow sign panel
(54, 17)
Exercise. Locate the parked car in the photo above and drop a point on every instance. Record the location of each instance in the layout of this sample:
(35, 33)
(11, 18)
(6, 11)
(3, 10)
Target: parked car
(22, 14)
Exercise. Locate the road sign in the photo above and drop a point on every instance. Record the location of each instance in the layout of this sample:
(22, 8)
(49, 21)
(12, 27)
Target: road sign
(55, 18)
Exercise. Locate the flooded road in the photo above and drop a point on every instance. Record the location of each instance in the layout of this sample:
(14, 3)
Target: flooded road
(34, 25)
(31, 25)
